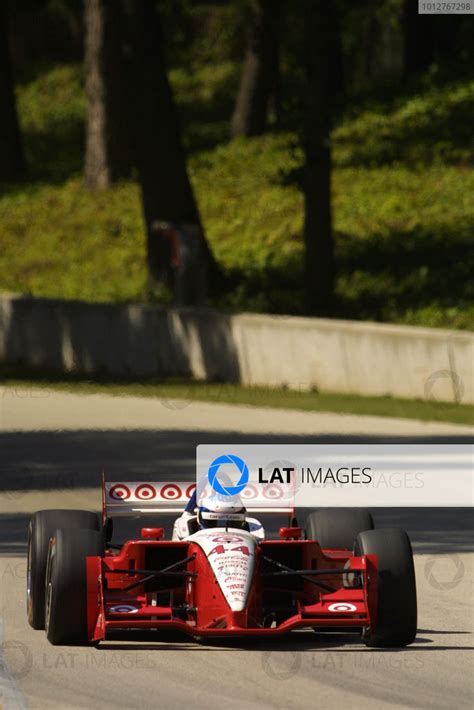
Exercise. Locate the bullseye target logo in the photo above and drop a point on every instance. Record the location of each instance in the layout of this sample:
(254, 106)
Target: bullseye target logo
(342, 607)
(145, 491)
(123, 609)
(250, 492)
(279, 480)
(273, 492)
(170, 492)
(190, 490)
(120, 492)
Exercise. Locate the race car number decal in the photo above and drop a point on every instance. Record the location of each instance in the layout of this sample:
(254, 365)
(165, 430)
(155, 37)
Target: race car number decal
(342, 606)
(220, 549)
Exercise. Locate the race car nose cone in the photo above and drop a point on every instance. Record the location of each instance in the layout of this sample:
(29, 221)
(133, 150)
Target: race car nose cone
(236, 607)
(231, 555)
(239, 620)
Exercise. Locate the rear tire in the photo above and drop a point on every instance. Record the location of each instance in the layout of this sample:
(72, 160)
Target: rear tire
(338, 528)
(42, 525)
(66, 584)
(396, 621)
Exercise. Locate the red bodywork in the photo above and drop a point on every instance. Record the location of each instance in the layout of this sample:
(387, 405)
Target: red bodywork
(191, 600)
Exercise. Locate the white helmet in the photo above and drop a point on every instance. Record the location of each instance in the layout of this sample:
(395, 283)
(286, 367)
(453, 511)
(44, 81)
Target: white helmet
(222, 512)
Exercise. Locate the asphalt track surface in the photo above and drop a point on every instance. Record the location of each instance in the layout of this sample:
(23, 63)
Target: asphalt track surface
(52, 448)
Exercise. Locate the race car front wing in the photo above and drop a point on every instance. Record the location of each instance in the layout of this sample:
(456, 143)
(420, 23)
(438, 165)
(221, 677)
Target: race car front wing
(331, 589)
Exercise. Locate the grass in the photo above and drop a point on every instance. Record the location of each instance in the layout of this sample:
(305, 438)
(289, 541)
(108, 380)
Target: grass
(51, 110)
(429, 126)
(185, 391)
(403, 212)
(59, 240)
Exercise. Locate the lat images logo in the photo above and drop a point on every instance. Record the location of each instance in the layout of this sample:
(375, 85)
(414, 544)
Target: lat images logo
(228, 490)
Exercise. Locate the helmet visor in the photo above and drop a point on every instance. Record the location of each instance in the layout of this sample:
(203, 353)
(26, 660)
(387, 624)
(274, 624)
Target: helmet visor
(209, 519)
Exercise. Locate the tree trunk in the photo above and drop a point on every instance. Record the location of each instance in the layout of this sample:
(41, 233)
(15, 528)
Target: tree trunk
(167, 194)
(324, 86)
(260, 80)
(107, 134)
(418, 38)
(12, 162)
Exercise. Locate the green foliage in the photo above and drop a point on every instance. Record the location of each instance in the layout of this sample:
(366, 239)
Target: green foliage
(218, 31)
(62, 241)
(403, 211)
(199, 34)
(52, 110)
(435, 126)
(403, 236)
(205, 97)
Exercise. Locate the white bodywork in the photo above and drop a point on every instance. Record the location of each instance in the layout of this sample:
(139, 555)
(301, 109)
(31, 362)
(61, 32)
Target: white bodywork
(231, 554)
(233, 567)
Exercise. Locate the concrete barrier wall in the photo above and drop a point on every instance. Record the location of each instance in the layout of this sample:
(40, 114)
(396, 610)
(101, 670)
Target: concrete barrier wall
(300, 353)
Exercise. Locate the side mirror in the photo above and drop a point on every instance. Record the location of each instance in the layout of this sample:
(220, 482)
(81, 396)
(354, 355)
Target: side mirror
(290, 533)
(152, 533)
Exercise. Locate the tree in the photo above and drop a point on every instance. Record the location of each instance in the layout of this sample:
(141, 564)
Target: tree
(323, 87)
(107, 134)
(167, 194)
(12, 161)
(259, 83)
(418, 38)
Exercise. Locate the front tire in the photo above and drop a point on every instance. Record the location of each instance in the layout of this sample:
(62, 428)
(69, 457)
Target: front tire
(396, 621)
(42, 525)
(338, 528)
(66, 584)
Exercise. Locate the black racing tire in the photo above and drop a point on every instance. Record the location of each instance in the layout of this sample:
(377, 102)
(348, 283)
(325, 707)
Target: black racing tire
(66, 584)
(338, 528)
(396, 621)
(42, 525)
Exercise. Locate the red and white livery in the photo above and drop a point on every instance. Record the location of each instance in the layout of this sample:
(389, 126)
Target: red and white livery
(338, 573)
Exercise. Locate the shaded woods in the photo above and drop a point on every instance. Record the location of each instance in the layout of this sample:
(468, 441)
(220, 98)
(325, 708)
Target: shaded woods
(240, 124)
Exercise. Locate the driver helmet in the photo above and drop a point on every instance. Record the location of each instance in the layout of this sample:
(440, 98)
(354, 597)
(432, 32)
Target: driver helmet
(222, 512)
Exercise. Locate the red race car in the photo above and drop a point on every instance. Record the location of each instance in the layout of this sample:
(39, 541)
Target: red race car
(216, 577)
